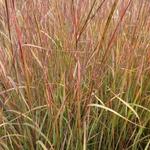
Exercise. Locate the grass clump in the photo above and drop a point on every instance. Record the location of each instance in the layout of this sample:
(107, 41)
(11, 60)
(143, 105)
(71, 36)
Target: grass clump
(75, 74)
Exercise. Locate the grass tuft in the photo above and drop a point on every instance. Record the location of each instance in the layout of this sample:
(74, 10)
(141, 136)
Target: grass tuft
(75, 74)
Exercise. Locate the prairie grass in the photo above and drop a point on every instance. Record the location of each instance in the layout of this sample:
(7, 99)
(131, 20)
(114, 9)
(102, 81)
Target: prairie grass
(75, 74)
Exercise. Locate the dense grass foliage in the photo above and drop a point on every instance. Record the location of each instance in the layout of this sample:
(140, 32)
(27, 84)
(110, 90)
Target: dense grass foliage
(75, 74)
